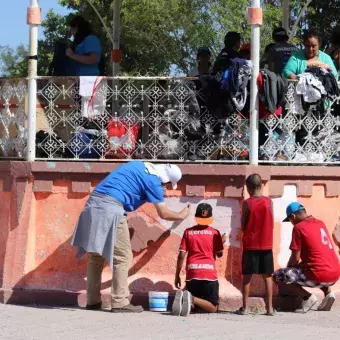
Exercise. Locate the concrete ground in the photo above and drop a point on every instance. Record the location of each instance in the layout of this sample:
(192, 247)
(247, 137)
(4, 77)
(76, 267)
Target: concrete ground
(39, 323)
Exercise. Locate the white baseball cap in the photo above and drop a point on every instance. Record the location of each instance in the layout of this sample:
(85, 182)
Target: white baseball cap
(169, 173)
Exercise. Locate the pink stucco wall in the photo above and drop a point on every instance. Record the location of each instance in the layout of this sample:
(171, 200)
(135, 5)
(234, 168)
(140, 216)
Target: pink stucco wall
(40, 204)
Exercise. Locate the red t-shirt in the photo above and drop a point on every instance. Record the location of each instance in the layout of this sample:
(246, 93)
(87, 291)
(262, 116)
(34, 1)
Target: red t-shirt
(201, 243)
(318, 257)
(258, 233)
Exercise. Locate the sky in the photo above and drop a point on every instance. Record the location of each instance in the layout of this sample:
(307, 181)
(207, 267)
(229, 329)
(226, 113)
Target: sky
(13, 27)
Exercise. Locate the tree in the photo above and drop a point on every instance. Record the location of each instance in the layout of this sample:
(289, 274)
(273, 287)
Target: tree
(14, 62)
(161, 35)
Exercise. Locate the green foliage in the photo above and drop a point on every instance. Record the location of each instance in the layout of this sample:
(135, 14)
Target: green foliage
(13, 62)
(163, 35)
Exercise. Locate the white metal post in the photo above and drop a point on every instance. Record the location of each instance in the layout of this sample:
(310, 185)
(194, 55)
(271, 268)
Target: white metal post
(32, 85)
(254, 114)
(116, 35)
(286, 14)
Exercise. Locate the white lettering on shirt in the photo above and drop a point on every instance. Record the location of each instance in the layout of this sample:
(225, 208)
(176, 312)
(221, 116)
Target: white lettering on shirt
(200, 266)
(200, 232)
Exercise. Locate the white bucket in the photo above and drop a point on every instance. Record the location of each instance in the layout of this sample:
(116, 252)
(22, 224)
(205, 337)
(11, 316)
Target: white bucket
(158, 301)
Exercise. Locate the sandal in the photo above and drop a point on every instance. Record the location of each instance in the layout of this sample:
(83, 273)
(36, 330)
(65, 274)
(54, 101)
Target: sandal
(273, 313)
(241, 311)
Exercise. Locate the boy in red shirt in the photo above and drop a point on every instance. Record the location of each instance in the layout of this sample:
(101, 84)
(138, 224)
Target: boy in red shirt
(202, 243)
(313, 262)
(257, 226)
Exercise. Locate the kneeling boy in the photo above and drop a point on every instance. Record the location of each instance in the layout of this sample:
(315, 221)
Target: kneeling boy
(202, 243)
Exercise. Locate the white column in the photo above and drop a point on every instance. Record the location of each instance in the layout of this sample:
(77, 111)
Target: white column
(32, 87)
(254, 114)
(116, 34)
(286, 14)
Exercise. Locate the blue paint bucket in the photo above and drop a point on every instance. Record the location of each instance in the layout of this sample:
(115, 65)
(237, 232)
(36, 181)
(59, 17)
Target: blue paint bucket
(158, 301)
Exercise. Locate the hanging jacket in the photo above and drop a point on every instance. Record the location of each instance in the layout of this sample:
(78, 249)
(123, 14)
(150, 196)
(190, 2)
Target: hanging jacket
(272, 95)
(263, 110)
(61, 65)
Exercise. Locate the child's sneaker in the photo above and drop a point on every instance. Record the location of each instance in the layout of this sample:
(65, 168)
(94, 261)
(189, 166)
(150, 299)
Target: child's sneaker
(178, 303)
(187, 303)
(327, 303)
(307, 305)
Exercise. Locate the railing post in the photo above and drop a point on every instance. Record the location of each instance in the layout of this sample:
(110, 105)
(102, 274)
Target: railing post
(255, 19)
(33, 20)
(117, 54)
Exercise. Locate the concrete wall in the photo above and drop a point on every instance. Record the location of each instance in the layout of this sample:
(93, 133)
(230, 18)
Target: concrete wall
(41, 202)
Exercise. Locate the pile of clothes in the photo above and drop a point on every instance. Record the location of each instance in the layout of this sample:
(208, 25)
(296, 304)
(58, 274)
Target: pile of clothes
(315, 90)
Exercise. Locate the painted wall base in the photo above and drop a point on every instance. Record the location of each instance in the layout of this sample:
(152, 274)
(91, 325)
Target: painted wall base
(40, 203)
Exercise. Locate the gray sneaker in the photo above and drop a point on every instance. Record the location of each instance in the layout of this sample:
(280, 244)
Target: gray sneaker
(327, 303)
(128, 309)
(187, 302)
(178, 303)
(307, 305)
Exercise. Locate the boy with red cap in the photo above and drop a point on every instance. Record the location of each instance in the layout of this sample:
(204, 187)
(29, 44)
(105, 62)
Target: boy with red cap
(202, 243)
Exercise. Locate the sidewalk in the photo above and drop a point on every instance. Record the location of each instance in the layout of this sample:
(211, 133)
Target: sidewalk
(31, 323)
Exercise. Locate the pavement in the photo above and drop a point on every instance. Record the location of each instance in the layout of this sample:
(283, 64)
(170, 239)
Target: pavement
(47, 323)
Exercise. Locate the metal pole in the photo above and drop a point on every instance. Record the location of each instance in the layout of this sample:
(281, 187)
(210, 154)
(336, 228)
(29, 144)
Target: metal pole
(116, 35)
(286, 14)
(255, 20)
(33, 19)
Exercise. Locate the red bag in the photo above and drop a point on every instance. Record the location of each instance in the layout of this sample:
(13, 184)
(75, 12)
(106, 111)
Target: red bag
(122, 139)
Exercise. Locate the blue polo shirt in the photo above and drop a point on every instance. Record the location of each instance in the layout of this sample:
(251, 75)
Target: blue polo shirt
(91, 44)
(132, 185)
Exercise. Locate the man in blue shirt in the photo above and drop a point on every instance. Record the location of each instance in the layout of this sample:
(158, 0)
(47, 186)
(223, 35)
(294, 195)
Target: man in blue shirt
(103, 231)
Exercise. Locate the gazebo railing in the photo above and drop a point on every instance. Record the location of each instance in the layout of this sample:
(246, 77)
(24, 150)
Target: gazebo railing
(158, 119)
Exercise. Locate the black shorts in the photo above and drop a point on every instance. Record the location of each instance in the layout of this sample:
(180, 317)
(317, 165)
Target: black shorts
(206, 290)
(257, 262)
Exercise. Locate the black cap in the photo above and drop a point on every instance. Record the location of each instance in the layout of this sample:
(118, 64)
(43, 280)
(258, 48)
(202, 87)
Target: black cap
(280, 33)
(232, 38)
(204, 214)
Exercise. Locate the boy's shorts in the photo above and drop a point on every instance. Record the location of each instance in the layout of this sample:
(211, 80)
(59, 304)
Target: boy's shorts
(257, 262)
(295, 275)
(206, 290)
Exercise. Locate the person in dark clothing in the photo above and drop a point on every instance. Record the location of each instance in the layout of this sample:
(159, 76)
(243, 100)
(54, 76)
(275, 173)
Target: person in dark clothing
(334, 49)
(264, 60)
(232, 42)
(280, 53)
(203, 62)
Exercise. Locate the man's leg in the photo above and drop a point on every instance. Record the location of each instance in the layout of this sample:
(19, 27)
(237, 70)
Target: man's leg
(121, 264)
(204, 305)
(246, 291)
(93, 284)
(326, 290)
(327, 303)
(267, 278)
(295, 290)
(292, 280)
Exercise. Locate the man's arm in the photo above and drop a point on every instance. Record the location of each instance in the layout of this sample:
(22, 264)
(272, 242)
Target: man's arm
(294, 258)
(166, 214)
(244, 219)
(180, 261)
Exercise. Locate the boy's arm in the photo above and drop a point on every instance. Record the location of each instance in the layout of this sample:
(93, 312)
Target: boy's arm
(180, 261)
(244, 219)
(219, 243)
(294, 259)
